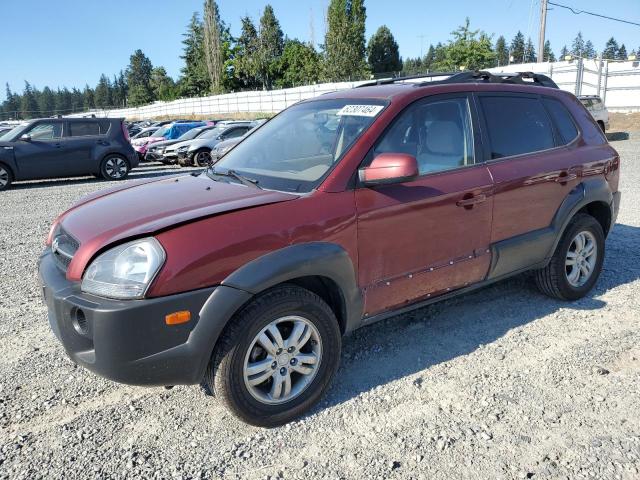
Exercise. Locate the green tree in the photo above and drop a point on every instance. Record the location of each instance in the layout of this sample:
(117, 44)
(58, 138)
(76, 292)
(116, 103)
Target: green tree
(102, 93)
(429, 58)
(28, 104)
(270, 48)
(622, 53)
(300, 64)
(76, 100)
(517, 48)
(589, 50)
(382, 52)
(564, 52)
(611, 48)
(344, 42)
(213, 45)
(529, 52)
(139, 79)
(47, 102)
(195, 78)
(577, 47)
(163, 86)
(548, 55)
(246, 62)
(11, 103)
(120, 90)
(502, 52)
(469, 49)
(88, 100)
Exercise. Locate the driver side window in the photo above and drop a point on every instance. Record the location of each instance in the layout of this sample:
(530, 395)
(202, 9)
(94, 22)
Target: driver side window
(46, 131)
(438, 133)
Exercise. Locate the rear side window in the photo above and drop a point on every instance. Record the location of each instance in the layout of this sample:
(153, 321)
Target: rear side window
(563, 120)
(88, 128)
(516, 125)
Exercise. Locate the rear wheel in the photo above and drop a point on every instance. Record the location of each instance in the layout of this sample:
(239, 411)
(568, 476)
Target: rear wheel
(277, 356)
(577, 262)
(6, 177)
(114, 167)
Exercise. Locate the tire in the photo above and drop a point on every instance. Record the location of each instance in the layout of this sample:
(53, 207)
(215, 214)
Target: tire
(114, 167)
(228, 376)
(558, 279)
(202, 158)
(6, 177)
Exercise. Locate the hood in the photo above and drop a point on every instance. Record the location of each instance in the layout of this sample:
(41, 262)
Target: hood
(177, 145)
(203, 142)
(148, 206)
(165, 143)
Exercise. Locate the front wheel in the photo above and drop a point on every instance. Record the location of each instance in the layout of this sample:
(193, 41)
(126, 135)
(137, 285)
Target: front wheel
(114, 167)
(577, 262)
(6, 177)
(276, 358)
(202, 158)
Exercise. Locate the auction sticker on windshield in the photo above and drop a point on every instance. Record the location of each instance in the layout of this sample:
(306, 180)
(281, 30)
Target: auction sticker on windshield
(360, 110)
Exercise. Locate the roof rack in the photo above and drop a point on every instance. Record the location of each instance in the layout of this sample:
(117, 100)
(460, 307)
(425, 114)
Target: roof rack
(478, 76)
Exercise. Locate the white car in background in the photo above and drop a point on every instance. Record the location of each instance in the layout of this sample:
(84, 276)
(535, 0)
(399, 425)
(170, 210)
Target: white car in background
(597, 108)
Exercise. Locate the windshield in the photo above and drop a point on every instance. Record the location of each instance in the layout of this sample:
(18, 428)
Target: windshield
(161, 132)
(190, 134)
(295, 150)
(8, 136)
(214, 132)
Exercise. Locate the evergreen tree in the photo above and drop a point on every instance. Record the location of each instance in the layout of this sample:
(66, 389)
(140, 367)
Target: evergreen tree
(246, 63)
(344, 42)
(502, 53)
(270, 48)
(139, 79)
(529, 52)
(610, 51)
(427, 62)
(622, 53)
(548, 55)
(102, 93)
(47, 102)
(11, 104)
(162, 84)
(195, 78)
(589, 50)
(212, 45)
(88, 99)
(300, 64)
(577, 47)
(121, 90)
(517, 48)
(382, 52)
(28, 104)
(76, 100)
(469, 49)
(564, 52)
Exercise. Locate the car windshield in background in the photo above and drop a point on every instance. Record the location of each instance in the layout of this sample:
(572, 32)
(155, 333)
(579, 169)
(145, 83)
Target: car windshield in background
(295, 150)
(190, 134)
(214, 132)
(161, 132)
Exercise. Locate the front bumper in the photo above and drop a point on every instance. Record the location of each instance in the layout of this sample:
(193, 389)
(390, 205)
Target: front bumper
(152, 156)
(128, 340)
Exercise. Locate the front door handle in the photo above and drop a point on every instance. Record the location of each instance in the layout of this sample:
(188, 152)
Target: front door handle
(565, 177)
(57, 145)
(468, 203)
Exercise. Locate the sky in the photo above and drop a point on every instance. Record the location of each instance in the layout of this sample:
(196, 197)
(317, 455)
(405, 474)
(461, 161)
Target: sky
(72, 42)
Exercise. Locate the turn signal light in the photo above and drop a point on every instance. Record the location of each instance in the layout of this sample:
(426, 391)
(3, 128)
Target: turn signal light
(176, 318)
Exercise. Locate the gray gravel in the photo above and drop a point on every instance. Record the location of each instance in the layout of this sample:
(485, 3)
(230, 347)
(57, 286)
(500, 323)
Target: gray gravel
(502, 383)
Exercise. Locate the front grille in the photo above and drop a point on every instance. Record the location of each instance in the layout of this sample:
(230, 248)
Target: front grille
(64, 247)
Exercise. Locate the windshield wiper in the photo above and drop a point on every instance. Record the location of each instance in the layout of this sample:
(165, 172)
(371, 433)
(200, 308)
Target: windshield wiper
(249, 182)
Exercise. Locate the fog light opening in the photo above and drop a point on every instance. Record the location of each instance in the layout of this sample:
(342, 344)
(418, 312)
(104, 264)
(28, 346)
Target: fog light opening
(79, 321)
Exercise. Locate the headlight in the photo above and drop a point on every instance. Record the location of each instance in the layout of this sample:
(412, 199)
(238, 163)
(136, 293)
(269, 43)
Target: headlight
(223, 150)
(125, 271)
(183, 149)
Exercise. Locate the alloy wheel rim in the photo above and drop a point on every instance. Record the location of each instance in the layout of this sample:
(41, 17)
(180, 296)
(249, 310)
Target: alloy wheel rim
(4, 177)
(116, 167)
(581, 259)
(282, 360)
(203, 158)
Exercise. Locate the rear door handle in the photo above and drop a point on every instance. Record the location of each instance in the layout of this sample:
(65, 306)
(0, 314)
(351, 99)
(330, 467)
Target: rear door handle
(471, 201)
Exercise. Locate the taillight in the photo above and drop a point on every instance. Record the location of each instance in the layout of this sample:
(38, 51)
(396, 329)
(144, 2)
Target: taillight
(125, 132)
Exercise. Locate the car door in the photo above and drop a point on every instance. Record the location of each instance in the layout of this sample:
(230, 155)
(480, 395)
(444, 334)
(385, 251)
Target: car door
(82, 139)
(532, 170)
(424, 237)
(43, 154)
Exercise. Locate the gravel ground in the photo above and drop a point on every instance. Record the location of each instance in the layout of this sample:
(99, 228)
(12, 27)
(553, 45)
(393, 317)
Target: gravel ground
(501, 383)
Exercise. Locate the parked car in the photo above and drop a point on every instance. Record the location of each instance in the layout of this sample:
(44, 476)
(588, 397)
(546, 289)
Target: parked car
(156, 152)
(341, 211)
(145, 133)
(168, 132)
(66, 147)
(198, 151)
(223, 147)
(597, 108)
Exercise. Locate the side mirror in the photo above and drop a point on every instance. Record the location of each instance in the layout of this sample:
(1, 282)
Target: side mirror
(25, 138)
(389, 168)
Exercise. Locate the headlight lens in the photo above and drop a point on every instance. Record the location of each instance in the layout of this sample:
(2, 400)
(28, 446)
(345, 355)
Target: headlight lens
(124, 272)
(183, 149)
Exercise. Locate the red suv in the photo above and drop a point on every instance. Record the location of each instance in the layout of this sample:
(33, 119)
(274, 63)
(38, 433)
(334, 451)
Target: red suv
(341, 211)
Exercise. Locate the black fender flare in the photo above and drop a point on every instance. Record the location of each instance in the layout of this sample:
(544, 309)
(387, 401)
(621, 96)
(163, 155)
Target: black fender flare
(318, 259)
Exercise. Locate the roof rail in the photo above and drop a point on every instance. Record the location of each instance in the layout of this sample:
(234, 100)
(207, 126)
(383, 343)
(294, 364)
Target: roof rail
(472, 76)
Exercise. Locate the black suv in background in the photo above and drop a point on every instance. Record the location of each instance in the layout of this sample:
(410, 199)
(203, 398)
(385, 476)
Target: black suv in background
(66, 147)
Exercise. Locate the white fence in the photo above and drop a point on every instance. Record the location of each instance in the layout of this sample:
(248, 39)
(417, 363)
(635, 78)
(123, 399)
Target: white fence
(618, 83)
